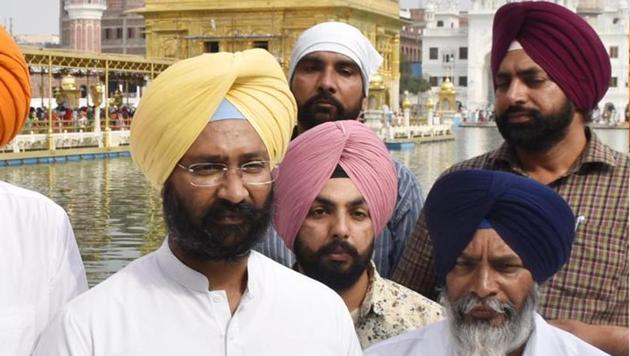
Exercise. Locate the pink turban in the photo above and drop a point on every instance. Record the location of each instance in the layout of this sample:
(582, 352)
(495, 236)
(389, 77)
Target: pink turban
(310, 162)
(560, 42)
(15, 88)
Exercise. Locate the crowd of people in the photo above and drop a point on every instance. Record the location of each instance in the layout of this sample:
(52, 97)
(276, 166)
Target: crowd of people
(65, 119)
(291, 230)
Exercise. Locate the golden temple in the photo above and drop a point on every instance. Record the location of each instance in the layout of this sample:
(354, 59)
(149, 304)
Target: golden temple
(181, 29)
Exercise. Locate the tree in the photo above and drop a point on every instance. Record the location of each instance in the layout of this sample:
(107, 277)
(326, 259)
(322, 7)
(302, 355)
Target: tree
(409, 83)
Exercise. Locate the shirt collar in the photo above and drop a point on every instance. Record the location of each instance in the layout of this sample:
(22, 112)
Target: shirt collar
(596, 152)
(187, 277)
(374, 297)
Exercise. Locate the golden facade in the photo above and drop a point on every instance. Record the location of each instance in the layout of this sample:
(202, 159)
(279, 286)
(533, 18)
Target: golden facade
(181, 29)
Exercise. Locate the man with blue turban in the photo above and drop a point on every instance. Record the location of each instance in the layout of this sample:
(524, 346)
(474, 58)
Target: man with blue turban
(496, 238)
(550, 70)
(208, 133)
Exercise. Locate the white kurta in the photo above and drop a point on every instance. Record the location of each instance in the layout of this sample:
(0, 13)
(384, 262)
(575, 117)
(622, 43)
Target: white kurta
(159, 306)
(434, 340)
(40, 267)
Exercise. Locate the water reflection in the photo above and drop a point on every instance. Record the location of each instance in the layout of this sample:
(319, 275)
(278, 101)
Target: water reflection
(117, 216)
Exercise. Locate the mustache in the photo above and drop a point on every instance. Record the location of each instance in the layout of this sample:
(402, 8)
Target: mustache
(336, 245)
(467, 303)
(224, 208)
(519, 109)
(324, 96)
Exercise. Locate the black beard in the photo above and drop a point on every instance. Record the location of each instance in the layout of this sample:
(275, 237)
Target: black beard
(310, 115)
(330, 273)
(207, 240)
(541, 133)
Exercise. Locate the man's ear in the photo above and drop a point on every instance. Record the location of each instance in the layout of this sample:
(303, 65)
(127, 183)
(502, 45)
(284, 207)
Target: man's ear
(364, 103)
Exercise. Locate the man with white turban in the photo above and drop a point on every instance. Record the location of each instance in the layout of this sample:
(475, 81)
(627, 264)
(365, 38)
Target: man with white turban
(208, 133)
(40, 265)
(550, 70)
(329, 75)
(335, 192)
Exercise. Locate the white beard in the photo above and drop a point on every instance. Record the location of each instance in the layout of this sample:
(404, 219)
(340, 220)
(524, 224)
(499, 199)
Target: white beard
(480, 338)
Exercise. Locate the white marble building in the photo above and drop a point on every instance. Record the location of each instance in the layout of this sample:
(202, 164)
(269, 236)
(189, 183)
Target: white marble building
(457, 45)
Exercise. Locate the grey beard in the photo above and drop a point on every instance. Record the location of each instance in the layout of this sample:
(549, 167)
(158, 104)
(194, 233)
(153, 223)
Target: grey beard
(480, 338)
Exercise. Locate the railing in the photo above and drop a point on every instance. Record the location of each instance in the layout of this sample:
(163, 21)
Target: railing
(65, 139)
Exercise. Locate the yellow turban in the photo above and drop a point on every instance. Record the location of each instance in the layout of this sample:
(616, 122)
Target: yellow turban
(15, 88)
(178, 104)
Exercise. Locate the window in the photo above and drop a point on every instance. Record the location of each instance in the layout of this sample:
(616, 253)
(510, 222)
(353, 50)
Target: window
(211, 46)
(143, 32)
(433, 81)
(440, 23)
(448, 58)
(108, 33)
(613, 82)
(614, 52)
(463, 52)
(118, 33)
(261, 44)
(433, 53)
(463, 81)
(131, 32)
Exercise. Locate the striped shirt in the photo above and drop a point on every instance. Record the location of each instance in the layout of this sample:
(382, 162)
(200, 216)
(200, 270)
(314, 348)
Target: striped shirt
(593, 286)
(389, 246)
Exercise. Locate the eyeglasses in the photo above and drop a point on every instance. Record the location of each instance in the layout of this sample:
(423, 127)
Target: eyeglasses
(253, 173)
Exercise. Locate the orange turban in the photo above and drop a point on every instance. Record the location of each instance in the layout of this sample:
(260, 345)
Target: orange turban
(15, 88)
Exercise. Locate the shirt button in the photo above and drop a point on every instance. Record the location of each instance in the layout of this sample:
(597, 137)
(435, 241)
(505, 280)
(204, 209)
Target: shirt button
(216, 299)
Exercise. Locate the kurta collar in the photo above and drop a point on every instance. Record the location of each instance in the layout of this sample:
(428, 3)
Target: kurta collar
(542, 340)
(187, 277)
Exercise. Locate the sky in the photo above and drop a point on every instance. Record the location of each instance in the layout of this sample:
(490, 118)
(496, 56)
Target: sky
(30, 16)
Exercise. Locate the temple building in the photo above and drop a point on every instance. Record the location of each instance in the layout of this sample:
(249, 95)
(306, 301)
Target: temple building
(80, 24)
(123, 30)
(102, 26)
(177, 29)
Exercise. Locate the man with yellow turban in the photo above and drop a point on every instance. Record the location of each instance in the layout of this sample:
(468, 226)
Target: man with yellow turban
(335, 192)
(550, 71)
(40, 267)
(209, 132)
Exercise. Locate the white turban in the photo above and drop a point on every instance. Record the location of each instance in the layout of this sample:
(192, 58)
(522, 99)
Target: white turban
(340, 38)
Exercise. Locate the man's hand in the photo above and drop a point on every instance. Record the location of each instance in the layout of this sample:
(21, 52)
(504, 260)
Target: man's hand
(610, 339)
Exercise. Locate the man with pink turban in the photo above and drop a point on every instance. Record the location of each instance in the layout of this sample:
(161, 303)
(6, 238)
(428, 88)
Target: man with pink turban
(330, 69)
(335, 192)
(40, 264)
(550, 71)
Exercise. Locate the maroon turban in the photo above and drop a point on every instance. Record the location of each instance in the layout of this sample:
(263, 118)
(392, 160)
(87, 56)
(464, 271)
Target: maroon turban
(560, 42)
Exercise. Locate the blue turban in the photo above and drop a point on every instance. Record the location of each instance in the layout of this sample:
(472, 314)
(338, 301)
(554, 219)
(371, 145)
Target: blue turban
(531, 218)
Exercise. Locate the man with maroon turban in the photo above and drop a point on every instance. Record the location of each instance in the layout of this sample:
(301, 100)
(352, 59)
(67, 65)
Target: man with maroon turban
(550, 70)
(40, 264)
(335, 192)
